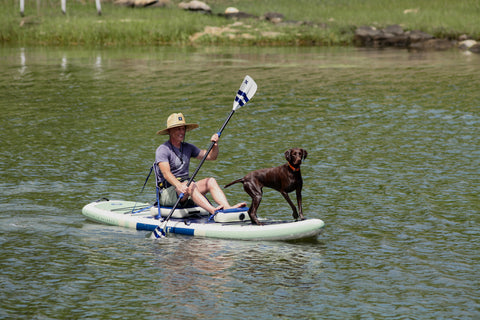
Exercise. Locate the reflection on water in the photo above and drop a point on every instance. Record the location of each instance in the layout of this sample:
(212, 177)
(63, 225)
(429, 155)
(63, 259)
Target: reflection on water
(22, 61)
(213, 278)
(393, 162)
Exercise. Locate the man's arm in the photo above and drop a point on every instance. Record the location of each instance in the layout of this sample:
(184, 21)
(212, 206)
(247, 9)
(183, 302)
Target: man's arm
(213, 153)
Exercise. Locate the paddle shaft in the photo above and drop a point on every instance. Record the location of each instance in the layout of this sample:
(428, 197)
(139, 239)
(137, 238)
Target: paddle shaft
(219, 133)
(164, 223)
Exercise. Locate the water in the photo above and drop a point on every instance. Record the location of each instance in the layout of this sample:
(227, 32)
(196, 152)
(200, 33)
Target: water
(392, 168)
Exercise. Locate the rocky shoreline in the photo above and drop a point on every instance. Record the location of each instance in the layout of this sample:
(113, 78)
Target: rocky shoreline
(395, 36)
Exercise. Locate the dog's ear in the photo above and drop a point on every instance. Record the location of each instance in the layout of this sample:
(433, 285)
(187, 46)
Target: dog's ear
(304, 152)
(287, 155)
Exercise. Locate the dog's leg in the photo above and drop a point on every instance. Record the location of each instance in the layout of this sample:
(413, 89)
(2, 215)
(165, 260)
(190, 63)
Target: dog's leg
(299, 201)
(294, 209)
(255, 193)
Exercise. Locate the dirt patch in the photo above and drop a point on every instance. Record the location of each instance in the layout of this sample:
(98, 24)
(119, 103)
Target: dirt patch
(237, 30)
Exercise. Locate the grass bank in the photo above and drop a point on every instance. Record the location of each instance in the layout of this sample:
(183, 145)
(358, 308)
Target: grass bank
(327, 22)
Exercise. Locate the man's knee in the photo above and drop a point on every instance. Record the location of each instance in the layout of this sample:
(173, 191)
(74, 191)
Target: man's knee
(211, 182)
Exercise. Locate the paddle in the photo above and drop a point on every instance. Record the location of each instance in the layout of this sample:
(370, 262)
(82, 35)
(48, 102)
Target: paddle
(244, 94)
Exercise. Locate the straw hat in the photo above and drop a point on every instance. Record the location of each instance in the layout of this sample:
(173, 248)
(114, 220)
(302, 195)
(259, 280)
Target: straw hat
(177, 120)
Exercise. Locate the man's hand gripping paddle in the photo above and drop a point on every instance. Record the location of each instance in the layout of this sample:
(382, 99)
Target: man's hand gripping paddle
(244, 94)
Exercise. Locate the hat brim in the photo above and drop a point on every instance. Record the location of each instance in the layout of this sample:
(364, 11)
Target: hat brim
(188, 126)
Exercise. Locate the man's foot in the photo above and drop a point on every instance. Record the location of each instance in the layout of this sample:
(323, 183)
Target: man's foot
(219, 208)
(240, 205)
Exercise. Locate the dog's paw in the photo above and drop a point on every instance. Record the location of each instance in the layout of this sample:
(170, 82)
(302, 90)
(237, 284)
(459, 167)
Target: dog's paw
(258, 223)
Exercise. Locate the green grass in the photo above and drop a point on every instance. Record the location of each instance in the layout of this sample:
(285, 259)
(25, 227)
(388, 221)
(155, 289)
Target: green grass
(331, 22)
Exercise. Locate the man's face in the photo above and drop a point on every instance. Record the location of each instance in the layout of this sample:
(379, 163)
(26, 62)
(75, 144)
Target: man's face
(177, 133)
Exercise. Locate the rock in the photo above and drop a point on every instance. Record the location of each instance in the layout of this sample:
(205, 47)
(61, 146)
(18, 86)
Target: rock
(366, 31)
(274, 17)
(417, 36)
(407, 11)
(391, 36)
(395, 29)
(142, 3)
(365, 35)
(231, 10)
(195, 6)
(395, 36)
(475, 48)
(162, 3)
(467, 44)
(433, 44)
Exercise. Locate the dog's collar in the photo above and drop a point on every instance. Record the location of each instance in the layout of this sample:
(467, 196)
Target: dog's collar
(293, 168)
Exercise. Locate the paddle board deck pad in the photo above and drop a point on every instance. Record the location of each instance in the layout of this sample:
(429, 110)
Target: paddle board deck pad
(231, 224)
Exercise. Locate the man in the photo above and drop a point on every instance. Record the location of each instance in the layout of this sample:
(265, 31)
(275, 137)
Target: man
(172, 161)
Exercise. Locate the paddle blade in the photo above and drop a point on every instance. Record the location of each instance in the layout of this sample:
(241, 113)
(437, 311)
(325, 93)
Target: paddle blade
(245, 93)
(158, 233)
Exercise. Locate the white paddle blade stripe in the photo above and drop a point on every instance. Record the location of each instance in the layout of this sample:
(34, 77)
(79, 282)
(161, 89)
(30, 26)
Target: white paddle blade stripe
(245, 93)
(157, 233)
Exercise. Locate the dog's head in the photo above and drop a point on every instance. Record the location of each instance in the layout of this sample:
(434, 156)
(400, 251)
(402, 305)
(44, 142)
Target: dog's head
(295, 156)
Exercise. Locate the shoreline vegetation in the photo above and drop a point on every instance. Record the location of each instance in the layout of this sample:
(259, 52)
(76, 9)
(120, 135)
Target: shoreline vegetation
(413, 24)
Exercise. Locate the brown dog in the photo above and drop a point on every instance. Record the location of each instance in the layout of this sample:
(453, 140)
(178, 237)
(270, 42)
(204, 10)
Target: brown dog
(284, 179)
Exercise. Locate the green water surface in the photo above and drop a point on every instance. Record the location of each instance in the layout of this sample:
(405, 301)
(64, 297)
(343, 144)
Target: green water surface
(392, 168)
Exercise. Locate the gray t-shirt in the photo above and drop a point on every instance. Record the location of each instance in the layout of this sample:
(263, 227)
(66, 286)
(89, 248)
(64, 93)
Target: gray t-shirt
(179, 159)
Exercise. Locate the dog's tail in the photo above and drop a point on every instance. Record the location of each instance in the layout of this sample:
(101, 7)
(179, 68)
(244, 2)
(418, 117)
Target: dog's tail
(233, 182)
